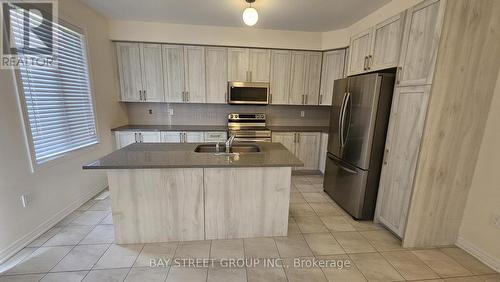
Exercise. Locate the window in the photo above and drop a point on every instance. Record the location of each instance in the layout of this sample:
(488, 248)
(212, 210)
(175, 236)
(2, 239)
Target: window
(58, 98)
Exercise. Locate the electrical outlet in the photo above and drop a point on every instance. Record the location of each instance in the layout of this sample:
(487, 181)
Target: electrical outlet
(170, 112)
(25, 200)
(150, 111)
(495, 220)
(302, 113)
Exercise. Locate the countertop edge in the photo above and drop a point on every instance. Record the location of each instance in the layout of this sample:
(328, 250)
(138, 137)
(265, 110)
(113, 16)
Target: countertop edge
(276, 128)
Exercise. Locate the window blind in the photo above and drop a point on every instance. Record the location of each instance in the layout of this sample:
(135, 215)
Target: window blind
(58, 98)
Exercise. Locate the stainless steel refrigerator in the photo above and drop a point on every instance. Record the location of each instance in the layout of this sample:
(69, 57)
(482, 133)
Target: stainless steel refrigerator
(358, 128)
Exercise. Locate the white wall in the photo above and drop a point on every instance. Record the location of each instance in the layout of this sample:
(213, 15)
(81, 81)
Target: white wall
(63, 185)
(477, 234)
(213, 35)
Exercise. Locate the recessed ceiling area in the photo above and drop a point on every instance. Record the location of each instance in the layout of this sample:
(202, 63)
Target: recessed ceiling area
(299, 15)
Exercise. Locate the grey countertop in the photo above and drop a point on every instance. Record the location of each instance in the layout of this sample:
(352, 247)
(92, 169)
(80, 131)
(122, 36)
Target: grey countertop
(138, 127)
(182, 155)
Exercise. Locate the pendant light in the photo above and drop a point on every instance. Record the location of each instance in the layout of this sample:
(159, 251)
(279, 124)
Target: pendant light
(250, 15)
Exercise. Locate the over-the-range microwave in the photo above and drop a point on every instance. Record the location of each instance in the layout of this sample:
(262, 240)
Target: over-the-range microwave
(248, 93)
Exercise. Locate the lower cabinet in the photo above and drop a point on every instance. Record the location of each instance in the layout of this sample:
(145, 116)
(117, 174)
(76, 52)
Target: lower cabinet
(402, 147)
(182, 137)
(323, 151)
(220, 136)
(305, 146)
(125, 138)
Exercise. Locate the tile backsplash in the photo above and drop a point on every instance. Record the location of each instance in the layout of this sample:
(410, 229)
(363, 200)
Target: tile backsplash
(216, 114)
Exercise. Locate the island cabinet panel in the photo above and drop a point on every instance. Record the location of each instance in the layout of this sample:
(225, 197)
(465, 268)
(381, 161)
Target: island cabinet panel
(157, 205)
(246, 202)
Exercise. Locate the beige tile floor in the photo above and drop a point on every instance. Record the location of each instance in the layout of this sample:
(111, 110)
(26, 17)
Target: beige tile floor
(80, 248)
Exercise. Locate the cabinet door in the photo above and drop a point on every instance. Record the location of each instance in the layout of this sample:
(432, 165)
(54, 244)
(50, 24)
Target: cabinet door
(359, 51)
(194, 64)
(259, 65)
(173, 68)
(313, 77)
(307, 150)
(333, 68)
(129, 67)
(285, 138)
(323, 151)
(125, 138)
(172, 136)
(216, 74)
(280, 76)
(215, 136)
(420, 43)
(194, 137)
(150, 137)
(386, 43)
(152, 73)
(406, 125)
(298, 78)
(237, 64)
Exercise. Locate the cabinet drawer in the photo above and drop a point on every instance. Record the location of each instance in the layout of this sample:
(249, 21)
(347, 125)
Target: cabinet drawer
(215, 136)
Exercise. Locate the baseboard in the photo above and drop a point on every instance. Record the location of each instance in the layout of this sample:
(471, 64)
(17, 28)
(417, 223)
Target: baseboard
(478, 253)
(25, 240)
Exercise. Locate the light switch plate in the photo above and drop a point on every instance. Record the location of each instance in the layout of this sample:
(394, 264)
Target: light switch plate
(302, 113)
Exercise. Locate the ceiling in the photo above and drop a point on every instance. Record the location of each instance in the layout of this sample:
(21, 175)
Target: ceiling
(300, 15)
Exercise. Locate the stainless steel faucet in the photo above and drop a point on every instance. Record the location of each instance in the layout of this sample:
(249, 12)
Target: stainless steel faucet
(229, 143)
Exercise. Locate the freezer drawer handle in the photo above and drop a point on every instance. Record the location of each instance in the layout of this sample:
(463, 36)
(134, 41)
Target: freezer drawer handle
(342, 167)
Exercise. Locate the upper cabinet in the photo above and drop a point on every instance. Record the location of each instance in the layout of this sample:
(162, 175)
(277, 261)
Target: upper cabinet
(377, 47)
(140, 71)
(333, 69)
(248, 64)
(359, 51)
(420, 43)
(194, 64)
(305, 78)
(216, 74)
(280, 76)
(184, 73)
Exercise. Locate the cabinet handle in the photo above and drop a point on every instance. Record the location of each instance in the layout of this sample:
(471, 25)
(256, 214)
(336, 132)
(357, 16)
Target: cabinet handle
(295, 138)
(298, 137)
(145, 95)
(140, 95)
(135, 137)
(400, 71)
(370, 61)
(320, 99)
(180, 137)
(364, 63)
(142, 138)
(270, 98)
(187, 96)
(306, 99)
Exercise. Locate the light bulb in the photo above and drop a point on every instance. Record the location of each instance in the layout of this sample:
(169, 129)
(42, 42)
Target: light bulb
(250, 16)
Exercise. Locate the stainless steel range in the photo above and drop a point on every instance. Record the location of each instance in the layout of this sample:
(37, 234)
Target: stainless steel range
(248, 127)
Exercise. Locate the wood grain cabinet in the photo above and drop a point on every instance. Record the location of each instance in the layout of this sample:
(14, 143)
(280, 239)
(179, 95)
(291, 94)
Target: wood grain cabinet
(322, 152)
(246, 64)
(216, 74)
(304, 145)
(215, 136)
(332, 69)
(140, 71)
(125, 138)
(182, 137)
(280, 77)
(409, 108)
(305, 78)
(184, 74)
(420, 43)
(377, 47)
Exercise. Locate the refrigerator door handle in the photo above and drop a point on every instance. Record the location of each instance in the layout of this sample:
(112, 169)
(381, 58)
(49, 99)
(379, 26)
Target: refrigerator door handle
(346, 104)
(341, 115)
(341, 166)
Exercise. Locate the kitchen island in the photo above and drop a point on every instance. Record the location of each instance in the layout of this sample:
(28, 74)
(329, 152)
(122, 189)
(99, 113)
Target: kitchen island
(168, 192)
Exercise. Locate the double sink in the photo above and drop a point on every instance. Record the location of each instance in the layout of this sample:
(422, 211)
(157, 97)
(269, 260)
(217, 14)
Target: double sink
(234, 149)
